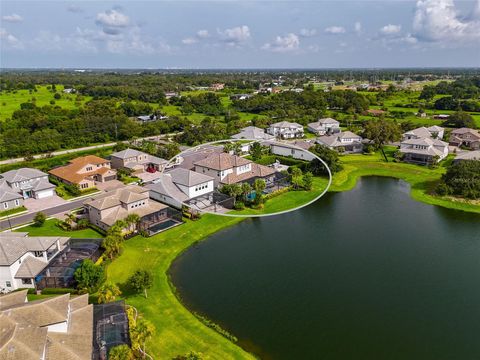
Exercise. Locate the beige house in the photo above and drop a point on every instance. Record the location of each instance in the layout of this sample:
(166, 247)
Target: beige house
(137, 161)
(106, 209)
(85, 172)
(59, 327)
(465, 137)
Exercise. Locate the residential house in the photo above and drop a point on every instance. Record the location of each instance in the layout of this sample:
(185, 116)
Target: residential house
(434, 132)
(468, 155)
(231, 169)
(347, 142)
(29, 183)
(240, 96)
(180, 186)
(286, 130)
(9, 198)
(85, 172)
(466, 137)
(106, 209)
(297, 149)
(424, 151)
(137, 161)
(324, 127)
(23, 257)
(58, 327)
(189, 157)
(375, 112)
(253, 133)
(148, 118)
(217, 86)
(170, 94)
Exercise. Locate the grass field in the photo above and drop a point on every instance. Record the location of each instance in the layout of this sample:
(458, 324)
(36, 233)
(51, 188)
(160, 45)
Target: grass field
(50, 229)
(11, 100)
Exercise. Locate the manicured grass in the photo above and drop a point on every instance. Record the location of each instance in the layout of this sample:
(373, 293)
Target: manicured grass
(50, 229)
(12, 211)
(11, 100)
(289, 200)
(177, 330)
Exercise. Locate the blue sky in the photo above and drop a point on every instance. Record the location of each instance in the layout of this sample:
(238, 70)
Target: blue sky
(239, 34)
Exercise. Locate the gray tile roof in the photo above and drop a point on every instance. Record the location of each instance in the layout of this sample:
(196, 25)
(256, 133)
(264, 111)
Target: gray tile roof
(252, 132)
(30, 268)
(22, 174)
(187, 177)
(13, 247)
(222, 161)
(7, 193)
(469, 155)
(287, 124)
(166, 187)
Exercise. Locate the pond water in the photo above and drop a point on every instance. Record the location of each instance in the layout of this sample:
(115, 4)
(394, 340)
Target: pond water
(365, 274)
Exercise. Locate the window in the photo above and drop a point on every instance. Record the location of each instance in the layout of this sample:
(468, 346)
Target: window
(89, 168)
(8, 284)
(5, 205)
(26, 281)
(38, 253)
(17, 202)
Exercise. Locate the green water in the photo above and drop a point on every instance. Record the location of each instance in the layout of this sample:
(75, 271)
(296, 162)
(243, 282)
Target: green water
(366, 274)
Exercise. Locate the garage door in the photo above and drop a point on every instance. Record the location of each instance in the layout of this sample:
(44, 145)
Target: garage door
(44, 193)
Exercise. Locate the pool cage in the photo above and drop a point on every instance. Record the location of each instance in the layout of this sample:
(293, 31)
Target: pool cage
(59, 272)
(110, 328)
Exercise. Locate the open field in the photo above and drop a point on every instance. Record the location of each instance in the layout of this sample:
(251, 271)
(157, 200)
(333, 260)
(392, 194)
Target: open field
(11, 100)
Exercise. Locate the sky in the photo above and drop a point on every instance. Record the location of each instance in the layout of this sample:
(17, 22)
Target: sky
(239, 34)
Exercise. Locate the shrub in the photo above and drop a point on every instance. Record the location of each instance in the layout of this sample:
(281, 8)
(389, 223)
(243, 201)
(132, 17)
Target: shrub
(239, 205)
(39, 219)
(54, 291)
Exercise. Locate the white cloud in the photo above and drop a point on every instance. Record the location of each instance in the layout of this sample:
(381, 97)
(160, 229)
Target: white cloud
(112, 21)
(189, 41)
(335, 30)
(358, 27)
(287, 43)
(202, 34)
(391, 29)
(10, 39)
(13, 18)
(236, 35)
(438, 20)
(308, 32)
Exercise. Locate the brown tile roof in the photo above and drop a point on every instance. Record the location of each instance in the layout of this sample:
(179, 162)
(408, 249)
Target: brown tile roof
(70, 172)
(258, 171)
(12, 299)
(222, 161)
(126, 194)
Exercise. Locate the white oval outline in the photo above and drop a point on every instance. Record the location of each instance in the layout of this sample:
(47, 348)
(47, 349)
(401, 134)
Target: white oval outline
(249, 215)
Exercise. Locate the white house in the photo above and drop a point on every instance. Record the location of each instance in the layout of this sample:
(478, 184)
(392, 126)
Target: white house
(181, 185)
(297, 150)
(28, 182)
(423, 151)
(23, 257)
(434, 132)
(231, 169)
(345, 141)
(324, 126)
(286, 130)
(252, 132)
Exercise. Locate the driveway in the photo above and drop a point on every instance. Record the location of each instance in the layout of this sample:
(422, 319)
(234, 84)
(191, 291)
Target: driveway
(36, 205)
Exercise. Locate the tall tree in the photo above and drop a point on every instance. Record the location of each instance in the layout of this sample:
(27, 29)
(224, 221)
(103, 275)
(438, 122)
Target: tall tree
(108, 292)
(381, 132)
(141, 280)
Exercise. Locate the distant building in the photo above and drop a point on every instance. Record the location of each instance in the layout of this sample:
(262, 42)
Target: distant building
(441, 116)
(217, 86)
(324, 126)
(468, 155)
(297, 150)
(252, 132)
(171, 94)
(240, 96)
(148, 118)
(343, 142)
(137, 161)
(424, 151)
(85, 171)
(434, 132)
(466, 137)
(286, 130)
(69, 90)
(375, 112)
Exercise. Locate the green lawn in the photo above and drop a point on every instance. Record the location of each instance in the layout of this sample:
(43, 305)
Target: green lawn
(289, 200)
(177, 330)
(11, 100)
(50, 229)
(12, 211)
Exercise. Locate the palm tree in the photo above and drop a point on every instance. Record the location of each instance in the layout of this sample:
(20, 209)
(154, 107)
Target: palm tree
(143, 331)
(112, 245)
(237, 148)
(107, 293)
(227, 147)
(69, 219)
(132, 220)
(246, 189)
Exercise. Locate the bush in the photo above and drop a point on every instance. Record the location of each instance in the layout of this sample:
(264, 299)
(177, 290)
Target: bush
(239, 205)
(39, 219)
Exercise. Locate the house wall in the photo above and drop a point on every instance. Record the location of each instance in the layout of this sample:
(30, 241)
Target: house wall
(92, 167)
(197, 190)
(12, 204)
(7, 273)
(295, 153)
(217, 175)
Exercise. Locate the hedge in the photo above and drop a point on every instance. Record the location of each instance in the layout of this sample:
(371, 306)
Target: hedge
(53, 291)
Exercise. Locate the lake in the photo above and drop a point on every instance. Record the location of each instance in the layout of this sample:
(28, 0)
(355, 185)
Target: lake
(364, 274)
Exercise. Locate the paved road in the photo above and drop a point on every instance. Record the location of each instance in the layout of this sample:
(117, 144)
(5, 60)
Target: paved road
(26, 218)
(100, 146)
